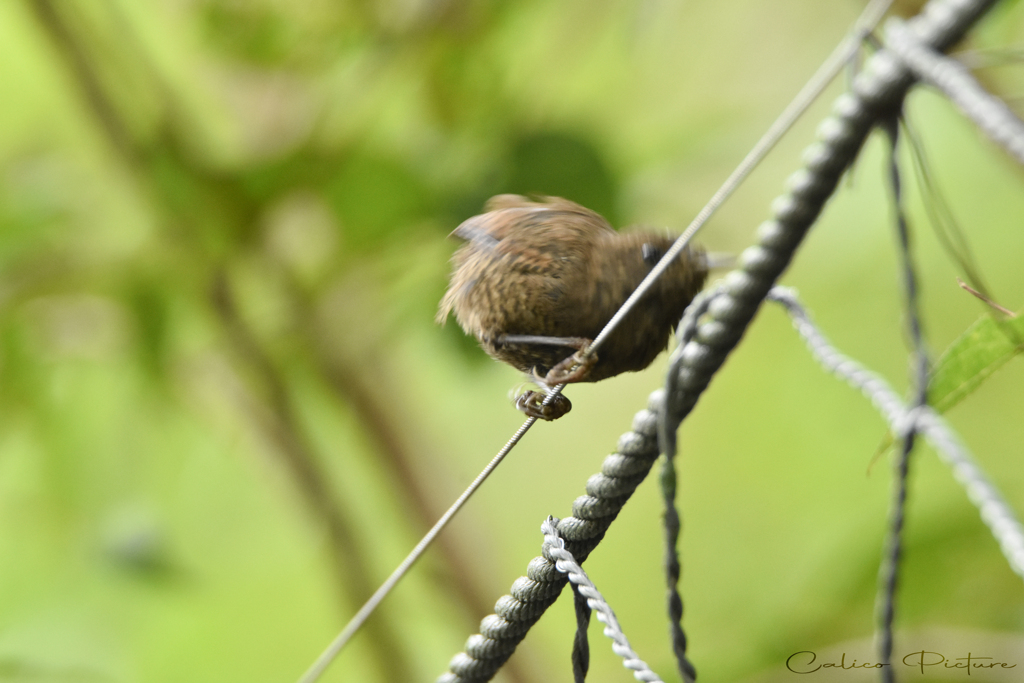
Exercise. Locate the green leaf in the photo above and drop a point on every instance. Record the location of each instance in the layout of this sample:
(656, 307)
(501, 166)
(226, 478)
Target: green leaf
(981, 350)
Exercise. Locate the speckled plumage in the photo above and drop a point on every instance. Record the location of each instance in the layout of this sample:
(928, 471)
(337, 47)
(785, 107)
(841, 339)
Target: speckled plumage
(553, 268)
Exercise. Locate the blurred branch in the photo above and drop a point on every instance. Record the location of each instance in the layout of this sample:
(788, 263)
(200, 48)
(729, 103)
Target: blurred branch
(283, 430)
(70, 48)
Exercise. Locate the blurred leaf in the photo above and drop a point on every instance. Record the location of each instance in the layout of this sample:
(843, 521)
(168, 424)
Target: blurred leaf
(376, 197)
(149, 307)
(209, 207)
(985, 347)
(563, 165)
(373, 196)
(33, 206)
(302, 169)
(250, 31)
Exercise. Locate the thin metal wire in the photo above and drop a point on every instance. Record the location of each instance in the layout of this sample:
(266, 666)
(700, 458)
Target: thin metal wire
(554, 548)
(360, 617)
(828, 70)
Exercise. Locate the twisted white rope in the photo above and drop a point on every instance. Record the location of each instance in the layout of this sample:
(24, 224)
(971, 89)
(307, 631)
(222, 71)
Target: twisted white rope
(554, 548)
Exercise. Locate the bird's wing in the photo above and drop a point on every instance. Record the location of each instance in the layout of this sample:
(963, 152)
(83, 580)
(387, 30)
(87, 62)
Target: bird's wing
(508, 214)
(546, 242)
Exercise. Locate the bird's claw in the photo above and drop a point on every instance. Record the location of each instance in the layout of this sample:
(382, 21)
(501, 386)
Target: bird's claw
(563, 373)
(532, 403)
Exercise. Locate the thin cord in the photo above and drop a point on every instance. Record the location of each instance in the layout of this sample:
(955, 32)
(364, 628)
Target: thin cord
(828, 70)
(360, 617)
(889, 572)
(580, 643)
(846, 49)
(948, 230)
(673, 569)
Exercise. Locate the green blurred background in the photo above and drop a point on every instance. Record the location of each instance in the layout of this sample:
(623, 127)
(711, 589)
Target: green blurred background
(226, 412)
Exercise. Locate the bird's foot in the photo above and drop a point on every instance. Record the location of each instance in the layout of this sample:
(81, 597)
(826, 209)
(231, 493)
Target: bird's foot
(532, 403)
(566, 373)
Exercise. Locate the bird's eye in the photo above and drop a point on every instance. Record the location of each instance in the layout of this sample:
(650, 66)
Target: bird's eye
(651, 253)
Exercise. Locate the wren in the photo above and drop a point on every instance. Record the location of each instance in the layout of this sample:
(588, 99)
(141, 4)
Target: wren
(537, 280)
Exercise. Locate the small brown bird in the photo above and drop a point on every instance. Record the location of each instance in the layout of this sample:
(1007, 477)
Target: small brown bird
(539, 279)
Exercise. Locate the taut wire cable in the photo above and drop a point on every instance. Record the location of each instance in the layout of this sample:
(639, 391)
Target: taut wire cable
(828, 70)
(360, 617)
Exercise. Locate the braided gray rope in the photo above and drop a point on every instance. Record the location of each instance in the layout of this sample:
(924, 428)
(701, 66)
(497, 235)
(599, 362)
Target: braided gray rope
(995, 512)
(554, 549)
(989, 113)
(593, 513)
(878, 89)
